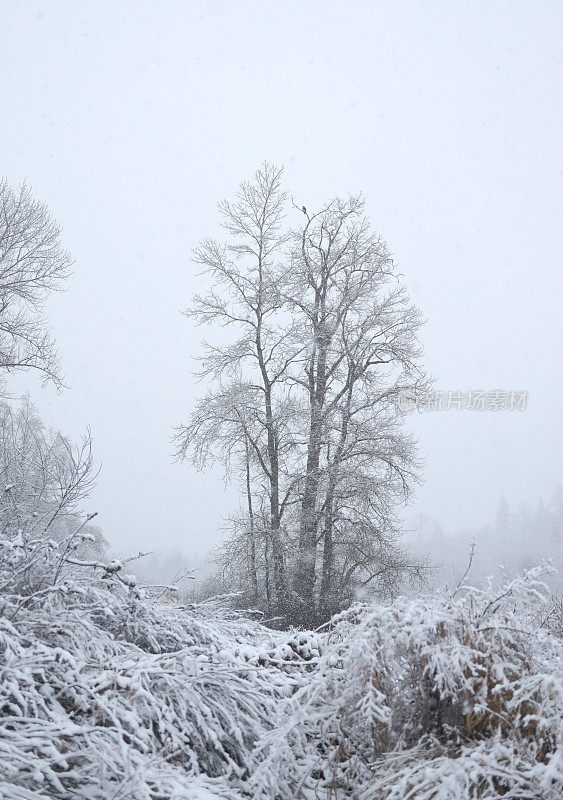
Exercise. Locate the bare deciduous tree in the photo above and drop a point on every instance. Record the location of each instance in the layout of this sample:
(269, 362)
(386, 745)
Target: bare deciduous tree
(304, 403)
(32, 263)
(43, 481)
(246, 296)
(343, 289)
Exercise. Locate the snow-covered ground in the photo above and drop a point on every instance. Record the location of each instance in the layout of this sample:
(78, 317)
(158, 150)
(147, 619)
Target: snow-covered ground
(106, 694)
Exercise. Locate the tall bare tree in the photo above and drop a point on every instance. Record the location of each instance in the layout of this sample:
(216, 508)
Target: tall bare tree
(305, 396)
(344, 290)
(32, 263)
(247, 296)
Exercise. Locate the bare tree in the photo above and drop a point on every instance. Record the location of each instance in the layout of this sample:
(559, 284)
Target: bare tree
(304, 405)
(32, 263)
(362, 332)
(44, 479)
(246, 296)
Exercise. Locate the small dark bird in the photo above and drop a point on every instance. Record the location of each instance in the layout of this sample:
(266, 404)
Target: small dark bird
(304, 210)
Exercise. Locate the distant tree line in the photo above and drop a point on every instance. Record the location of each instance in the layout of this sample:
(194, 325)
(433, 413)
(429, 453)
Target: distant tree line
(515, 539)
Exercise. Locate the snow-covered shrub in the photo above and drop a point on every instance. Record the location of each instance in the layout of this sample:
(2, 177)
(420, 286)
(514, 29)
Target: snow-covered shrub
(452, 696)
(105, 694)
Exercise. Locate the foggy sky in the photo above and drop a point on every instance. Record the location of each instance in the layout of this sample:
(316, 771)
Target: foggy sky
(133, 119)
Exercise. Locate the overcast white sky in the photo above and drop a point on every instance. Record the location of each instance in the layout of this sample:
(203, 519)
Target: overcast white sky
(132, 119)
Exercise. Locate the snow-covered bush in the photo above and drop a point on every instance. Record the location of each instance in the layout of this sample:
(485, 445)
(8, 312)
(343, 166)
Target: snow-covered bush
(104, 694)
(448, 697)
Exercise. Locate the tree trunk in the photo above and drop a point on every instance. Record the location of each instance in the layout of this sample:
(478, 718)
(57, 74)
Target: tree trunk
(280, 587)
(327, 594)
(251, 526)
(326, 591)
(267, 588)
(305, 570)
